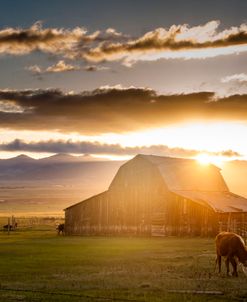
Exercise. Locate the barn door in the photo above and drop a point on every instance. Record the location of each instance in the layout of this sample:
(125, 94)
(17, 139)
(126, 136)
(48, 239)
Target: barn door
(158, 224)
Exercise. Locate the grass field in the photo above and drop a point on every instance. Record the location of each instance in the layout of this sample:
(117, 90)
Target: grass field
(38, 265)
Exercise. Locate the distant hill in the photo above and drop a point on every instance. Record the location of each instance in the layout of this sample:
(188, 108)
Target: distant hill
(60, 157)
(20, 159)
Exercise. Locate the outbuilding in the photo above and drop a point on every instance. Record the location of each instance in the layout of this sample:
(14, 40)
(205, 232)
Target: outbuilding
(161, 196)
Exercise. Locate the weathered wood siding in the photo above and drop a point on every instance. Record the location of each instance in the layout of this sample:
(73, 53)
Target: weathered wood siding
(87, 217)
(186, 217)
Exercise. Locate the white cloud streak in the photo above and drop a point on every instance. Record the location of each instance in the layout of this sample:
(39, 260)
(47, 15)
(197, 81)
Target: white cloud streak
(239, 78)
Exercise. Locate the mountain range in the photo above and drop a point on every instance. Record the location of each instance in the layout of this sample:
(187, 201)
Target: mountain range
(59, 167)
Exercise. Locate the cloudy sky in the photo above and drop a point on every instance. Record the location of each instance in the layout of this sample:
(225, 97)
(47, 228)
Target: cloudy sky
(116, 78)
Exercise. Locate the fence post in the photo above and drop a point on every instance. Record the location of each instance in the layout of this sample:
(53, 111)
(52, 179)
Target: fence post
(13, 222)
(8, 225)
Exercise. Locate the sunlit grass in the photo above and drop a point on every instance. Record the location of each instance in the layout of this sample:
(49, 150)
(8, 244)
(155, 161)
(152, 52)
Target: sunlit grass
(143, 269)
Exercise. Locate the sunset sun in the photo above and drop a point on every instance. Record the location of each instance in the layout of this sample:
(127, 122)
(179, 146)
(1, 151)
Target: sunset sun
(206, 159)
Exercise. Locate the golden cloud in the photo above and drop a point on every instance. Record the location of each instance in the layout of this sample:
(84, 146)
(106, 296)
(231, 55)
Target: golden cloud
(178, 41)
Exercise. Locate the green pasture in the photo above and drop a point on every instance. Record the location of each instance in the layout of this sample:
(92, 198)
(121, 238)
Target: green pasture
(38, 265)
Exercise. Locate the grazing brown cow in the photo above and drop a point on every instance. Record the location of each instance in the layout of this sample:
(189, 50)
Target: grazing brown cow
(231, 246)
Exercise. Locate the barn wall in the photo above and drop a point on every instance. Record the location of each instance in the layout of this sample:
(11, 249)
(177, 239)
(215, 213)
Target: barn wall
(186, 217)
(87, 217)
(172, 215)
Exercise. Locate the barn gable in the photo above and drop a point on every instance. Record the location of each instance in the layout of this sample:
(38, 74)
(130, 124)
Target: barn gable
(137, 173)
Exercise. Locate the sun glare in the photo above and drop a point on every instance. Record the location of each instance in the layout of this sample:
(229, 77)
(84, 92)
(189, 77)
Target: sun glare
(203, 159)
(206, 159)
(211, 137)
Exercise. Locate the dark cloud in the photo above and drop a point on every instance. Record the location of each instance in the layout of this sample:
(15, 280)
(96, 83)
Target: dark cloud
(112, 109)
(84, 147)
(95, 68)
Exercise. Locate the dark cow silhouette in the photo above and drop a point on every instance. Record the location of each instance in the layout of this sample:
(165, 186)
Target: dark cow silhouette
(6, 227)
(10, 227)
(231, 246)
(60, 229)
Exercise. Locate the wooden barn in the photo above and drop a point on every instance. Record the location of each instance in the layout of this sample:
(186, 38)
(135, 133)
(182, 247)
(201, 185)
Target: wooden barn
(160, 196)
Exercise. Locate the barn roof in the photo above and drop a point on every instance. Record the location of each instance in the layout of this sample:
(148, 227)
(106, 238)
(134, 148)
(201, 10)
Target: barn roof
(199, 183)
(187, 174)
(86, 200)
(219, 201)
